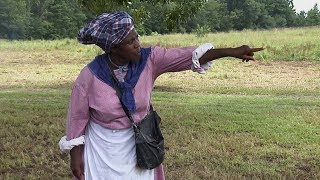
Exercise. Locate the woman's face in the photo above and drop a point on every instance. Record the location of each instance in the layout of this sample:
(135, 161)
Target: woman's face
(128, 49)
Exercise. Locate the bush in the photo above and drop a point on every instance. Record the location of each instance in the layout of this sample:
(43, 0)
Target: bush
(202, 31)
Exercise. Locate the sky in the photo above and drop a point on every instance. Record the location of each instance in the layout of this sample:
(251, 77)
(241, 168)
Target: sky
(304, 5)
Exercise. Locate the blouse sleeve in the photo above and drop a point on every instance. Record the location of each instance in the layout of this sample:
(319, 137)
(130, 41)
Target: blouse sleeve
(180, 59)
(171, 60)
(78, 113)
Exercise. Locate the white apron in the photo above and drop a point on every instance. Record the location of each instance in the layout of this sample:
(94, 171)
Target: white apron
(110, 155)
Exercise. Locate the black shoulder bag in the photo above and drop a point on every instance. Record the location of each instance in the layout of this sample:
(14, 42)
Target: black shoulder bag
(148, 137)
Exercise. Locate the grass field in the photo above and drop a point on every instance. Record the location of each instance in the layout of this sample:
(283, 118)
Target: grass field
(256, 120)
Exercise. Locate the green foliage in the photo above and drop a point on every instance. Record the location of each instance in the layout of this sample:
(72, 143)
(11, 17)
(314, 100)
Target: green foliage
(179, 11)
(64, 25)
(214, 15)
(55, 19)
(313, 16)
(14, 19)
(202, 31)
(98, 7)
(300, 19)
(40, 19)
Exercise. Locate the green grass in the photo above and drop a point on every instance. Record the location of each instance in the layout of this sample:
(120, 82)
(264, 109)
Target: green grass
(280, 44)
(31, 125)
(257, 120)
(216, 136)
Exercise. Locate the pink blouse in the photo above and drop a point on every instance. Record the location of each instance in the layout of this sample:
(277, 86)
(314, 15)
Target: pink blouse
(92, 99)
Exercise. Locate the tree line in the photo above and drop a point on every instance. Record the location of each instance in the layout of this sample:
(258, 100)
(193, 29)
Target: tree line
(55, 19)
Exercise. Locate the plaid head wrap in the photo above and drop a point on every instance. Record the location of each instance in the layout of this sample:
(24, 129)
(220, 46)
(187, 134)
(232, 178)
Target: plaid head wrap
(106, 30)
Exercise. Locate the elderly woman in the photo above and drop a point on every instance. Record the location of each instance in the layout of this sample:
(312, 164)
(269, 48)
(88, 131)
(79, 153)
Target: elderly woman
(99, 134)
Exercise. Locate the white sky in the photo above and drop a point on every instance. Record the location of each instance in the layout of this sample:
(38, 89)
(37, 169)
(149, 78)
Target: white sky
(304, 5)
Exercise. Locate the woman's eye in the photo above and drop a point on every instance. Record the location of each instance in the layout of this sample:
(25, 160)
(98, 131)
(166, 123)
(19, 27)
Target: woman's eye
(132, 41)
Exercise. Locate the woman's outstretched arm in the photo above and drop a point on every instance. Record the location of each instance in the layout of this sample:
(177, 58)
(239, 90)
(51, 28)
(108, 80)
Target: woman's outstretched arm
(243, 52)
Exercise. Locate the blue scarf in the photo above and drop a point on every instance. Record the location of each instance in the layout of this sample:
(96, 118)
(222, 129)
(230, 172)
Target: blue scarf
(99, 67)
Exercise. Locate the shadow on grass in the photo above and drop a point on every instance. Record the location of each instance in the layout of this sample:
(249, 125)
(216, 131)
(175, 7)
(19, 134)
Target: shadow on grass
(168, 89)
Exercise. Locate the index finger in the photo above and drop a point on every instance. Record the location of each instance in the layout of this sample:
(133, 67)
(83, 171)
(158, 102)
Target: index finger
(256, 49)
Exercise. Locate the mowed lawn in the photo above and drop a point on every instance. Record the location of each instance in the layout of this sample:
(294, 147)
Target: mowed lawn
(256, 120)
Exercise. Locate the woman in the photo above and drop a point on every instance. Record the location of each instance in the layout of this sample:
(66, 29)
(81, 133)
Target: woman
(99, 135)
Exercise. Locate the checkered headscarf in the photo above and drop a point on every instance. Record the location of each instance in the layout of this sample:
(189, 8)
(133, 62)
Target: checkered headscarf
(107, 30)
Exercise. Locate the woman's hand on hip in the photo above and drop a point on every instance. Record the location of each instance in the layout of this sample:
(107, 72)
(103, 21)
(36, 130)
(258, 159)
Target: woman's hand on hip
(76, 163)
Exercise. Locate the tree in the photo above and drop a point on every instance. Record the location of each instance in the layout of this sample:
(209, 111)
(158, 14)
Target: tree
(39, 25)
(300, 19)
(248, 14)
(66, 19)
(154, 19)
(281, 11)
(53, 19)
(214, 15)
(313, 16)
(179, 12)
(14, 19)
